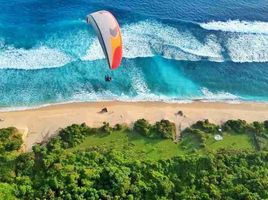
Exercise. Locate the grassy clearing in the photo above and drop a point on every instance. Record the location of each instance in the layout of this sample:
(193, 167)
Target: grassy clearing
(133, 143)
(230, 141)
(142, 148)
(190, 143)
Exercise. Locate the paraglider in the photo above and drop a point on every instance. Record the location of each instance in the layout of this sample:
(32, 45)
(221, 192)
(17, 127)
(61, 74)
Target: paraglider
(109, 35)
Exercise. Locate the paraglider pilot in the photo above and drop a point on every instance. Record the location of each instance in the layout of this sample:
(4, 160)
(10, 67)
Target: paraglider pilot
(108, 78)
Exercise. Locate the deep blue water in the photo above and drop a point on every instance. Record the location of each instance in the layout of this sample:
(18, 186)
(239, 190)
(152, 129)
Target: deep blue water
(173, 51)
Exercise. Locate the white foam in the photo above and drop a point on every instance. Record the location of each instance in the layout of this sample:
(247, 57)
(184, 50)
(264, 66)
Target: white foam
(109, 96)
(244, 42)
(35, 58)
(248, 47)
(207, 96)
(147, 39)
(104, 96)
(138, 82)
(218, 96)
(237, 26)
(75, 42)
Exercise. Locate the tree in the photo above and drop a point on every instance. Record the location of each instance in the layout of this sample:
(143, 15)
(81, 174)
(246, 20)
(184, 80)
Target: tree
(74, 134)
(106, 128)
(53, 172)
(165, 129)
(10, 140)
(266, 124)
(7, 191)
(206, 126)
(142, 127)
(236, 126)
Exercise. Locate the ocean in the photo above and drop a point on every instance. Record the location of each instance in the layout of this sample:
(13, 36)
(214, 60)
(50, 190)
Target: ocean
(174, 51)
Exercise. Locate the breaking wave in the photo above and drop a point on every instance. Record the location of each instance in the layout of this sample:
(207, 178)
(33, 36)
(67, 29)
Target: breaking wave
(237, 26)
(36, 58)
(218, 96)
(240, 41)
(148, 39)
(248, 48)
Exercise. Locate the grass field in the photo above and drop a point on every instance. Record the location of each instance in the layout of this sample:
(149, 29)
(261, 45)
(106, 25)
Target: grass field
(231, 141)
(140, 147)
(133, 144)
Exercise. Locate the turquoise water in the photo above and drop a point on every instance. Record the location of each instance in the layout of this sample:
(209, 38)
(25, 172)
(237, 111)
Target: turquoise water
(173, 51)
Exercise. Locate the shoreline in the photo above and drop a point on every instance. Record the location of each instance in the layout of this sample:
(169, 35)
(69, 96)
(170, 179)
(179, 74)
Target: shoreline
(185, 101)
(42, 123)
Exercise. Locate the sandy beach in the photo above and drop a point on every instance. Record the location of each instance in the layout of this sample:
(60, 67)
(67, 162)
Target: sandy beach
(44, 122)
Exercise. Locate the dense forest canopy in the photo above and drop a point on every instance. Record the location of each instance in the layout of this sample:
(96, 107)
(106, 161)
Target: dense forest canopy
(72, 166)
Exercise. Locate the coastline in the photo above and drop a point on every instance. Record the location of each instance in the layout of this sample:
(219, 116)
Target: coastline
(42, 123)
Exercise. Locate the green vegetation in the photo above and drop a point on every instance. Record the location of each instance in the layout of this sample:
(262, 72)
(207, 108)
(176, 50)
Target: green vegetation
(231, 141)
(132, 144)
(74, 135)
(143, 163)
(163, 129)
(10, 140)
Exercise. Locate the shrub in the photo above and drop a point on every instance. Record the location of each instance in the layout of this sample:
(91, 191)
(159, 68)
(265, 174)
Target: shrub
(94, 130)
(143, 127)
(258, 127)
(265, 124)
(106, 128)
(24, 163)
(237, 126)
(74, 134)
(198, 135)
(120, 127)
(7, 191)
(165, 129)
(206, 126)
(10, 139)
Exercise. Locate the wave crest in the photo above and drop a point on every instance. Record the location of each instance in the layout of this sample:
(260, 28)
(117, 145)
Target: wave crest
(36, 58)
(241, 42)
(148, 39)
(218, 96)
(237, 26)
(248, 48)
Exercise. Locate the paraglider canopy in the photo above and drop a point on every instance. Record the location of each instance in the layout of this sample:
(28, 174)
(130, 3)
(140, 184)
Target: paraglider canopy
(109, 35)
